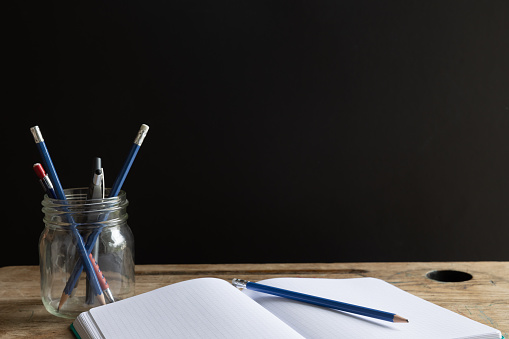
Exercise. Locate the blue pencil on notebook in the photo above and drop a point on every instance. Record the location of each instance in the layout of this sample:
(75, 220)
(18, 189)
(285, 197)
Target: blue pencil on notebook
(59, 192)
(115, 190)
(319, 301)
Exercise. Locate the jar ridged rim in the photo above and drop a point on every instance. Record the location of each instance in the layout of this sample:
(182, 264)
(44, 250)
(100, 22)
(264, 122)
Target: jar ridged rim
(82, 212)
(80, 198)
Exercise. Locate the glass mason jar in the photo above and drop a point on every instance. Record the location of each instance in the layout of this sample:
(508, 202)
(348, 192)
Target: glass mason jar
(59, 258)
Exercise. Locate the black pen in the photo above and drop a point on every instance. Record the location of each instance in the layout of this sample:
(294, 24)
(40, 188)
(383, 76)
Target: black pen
(96, 191)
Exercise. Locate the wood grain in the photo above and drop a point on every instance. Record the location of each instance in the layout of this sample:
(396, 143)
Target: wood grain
(485, 298)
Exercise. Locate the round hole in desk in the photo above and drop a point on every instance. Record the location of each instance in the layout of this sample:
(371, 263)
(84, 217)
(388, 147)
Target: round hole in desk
(448, 276)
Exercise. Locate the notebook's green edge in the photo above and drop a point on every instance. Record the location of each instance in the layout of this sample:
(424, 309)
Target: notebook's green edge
(78, 336)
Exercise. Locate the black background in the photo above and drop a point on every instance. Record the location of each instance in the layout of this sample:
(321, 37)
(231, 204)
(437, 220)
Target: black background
(280, 131)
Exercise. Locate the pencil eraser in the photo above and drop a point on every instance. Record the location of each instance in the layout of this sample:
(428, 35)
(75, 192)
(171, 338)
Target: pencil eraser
(141, 134)
(39, 171)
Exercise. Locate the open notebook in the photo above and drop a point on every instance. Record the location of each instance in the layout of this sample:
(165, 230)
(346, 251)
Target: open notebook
(213, 308)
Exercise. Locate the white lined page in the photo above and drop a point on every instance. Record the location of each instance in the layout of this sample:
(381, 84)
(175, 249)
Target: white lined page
(427, 320)
(199, 308)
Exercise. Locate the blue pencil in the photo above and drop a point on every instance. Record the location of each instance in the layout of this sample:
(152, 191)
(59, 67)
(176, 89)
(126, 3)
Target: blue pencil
(337, 305)
(46, 159)
(115, 190)
(119, 181)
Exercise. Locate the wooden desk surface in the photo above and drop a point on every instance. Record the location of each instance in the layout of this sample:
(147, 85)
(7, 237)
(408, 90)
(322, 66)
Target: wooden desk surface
(485, 298)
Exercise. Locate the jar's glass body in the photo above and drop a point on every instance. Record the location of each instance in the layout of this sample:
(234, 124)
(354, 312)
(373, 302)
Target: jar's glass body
(105, 219)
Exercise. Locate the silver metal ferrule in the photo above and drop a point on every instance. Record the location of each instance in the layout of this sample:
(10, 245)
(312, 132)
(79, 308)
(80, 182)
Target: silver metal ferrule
(141, 134)
(36, 132)
(109, 295)
(239, 283)
(47, 182)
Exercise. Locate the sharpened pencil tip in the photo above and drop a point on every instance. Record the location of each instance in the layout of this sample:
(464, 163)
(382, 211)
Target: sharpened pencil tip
(102, 301)
(398, 319)
(63, 299)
